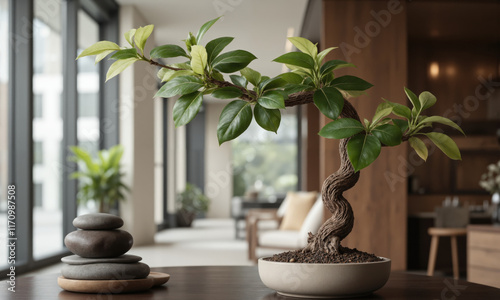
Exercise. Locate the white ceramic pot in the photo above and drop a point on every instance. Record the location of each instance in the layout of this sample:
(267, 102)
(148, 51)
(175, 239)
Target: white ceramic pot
(324, 280)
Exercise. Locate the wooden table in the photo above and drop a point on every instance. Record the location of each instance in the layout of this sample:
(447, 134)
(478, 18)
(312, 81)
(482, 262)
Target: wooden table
(242, 283)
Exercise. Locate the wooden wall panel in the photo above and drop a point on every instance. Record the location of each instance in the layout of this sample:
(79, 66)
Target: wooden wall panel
(379, 200)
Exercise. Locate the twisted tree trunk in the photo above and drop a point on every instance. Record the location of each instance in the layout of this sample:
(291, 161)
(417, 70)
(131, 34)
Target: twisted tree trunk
(340, 224)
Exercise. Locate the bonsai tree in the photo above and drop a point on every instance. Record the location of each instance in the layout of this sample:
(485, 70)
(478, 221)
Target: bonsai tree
(190, 202)
(100, 179)
(311, 80)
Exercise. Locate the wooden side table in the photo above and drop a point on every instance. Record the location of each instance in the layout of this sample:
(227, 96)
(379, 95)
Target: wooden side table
(436, 233)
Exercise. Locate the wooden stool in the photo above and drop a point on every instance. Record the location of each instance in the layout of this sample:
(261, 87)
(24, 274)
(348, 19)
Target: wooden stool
(452, 233)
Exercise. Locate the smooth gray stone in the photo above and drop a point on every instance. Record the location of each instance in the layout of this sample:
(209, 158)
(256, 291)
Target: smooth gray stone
(98, 221)
(106, 271)
(99, 243)
(78, 260)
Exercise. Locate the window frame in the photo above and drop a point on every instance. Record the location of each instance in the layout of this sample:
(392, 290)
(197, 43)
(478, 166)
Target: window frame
(20, 110)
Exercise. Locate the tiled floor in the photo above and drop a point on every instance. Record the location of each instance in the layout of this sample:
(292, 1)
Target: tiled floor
(208, 242)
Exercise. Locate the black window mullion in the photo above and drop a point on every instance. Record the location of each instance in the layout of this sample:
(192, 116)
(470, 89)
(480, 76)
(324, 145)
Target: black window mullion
(20, 124)
(70, 109)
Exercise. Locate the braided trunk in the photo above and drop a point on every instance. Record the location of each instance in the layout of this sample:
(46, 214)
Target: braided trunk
(340, 224)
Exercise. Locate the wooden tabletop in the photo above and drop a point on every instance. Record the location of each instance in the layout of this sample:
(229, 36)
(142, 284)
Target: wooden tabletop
(242, 283)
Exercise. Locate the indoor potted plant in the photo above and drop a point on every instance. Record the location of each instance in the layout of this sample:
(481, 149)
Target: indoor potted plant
(190, 203)
(100, 179)
(311, 80)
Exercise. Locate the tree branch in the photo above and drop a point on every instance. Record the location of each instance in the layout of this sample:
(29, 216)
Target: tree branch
(154, 63)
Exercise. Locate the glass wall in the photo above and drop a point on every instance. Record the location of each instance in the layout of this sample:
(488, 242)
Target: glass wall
(88, 93)
(47, 128)
(4, 90)
(265, 163)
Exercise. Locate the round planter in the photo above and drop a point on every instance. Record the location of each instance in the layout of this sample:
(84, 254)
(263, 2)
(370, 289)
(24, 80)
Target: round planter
(324, 280)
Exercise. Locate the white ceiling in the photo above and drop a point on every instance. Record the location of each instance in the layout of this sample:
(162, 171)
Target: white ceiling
(258, 26)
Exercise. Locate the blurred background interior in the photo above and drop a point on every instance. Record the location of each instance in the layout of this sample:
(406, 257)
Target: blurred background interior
(49, 101)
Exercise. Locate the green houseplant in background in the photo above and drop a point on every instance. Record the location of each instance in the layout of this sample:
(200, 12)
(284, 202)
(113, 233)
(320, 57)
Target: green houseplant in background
(100, 179)
(190, 203)
(259, 97)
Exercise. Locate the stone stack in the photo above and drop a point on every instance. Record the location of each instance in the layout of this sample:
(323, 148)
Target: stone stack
(99, 248)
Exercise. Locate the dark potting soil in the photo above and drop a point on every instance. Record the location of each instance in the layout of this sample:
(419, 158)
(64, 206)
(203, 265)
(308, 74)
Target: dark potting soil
(319, 257)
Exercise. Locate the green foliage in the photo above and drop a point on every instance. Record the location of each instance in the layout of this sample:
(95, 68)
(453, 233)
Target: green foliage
(268, 119)
(192, 200)
(167, 51)
(100, 179)
(202, 74)
(234, 120)
(186, 108)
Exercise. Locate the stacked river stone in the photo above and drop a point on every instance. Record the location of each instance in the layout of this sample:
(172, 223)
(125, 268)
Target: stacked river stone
(99, 248)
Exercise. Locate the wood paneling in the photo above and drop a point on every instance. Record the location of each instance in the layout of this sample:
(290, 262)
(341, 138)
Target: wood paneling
(379, 199)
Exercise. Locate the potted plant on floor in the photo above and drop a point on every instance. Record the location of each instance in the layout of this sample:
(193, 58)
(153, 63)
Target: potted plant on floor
(190, 203)
(311, 80)
(100, 180)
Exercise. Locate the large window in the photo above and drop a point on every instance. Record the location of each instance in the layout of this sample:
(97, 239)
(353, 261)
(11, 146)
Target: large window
(40, 87)
(266, 163)
(4, 81)
(47, 128)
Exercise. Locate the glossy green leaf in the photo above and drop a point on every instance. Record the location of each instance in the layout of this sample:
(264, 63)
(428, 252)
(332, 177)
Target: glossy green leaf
(295, 88)
(382, 106)
(400, 110)
(382, 113)
(291, 77)
(296, 59)
(141, 36)
(323, 54)
(402, 124)
(269, 119)
(239, 80)
(186, 108)
(129, 36)
(167, 51)
(217, 76)
(171, 74)
(442, 120)
(362, 150)
(119, 66)
(234, 120)
(334, 64)
(180, 86)
(413, 99)
(272, 83)
(98, 48)
(228, 92)
(446, 144)
(419, 147)
(388, 134)
(102, 55)
(251, 75)
(350, 83)
(304, 45)
(426, 100)
(232, 61)
(341, 129)
(329, 101)
(272, 100)
(125, 53)
(204, 28)
(215, 47)
(198, 59)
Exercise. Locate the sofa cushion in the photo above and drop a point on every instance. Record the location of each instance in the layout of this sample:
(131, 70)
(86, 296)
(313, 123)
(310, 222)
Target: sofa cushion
(297, 208)
(314, 219)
